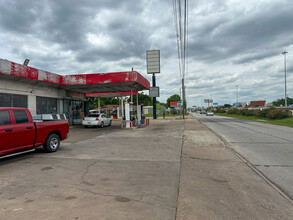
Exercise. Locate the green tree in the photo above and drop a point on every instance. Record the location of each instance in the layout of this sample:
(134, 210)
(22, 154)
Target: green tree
(227, 106)
(93, 102)
(164, 104)
(142, 99)
(282, 102)
(173, 98)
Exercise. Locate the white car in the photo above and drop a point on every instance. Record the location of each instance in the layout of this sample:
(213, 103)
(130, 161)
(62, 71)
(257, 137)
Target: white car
(209, 113)
(96, 120)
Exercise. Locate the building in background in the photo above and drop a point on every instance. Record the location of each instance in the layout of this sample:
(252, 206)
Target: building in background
(261, 103)
(148, 110)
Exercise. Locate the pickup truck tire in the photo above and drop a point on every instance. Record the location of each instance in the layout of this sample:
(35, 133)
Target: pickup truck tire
(52, 143)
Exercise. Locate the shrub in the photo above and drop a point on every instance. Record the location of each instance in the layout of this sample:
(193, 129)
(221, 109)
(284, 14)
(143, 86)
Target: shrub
(270, 113)
(233, 111)
(220, 110)
(279, 114)
(249, 113)
(264, 113)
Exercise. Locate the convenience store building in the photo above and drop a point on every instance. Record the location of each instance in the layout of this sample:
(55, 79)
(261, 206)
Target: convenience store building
(43, 92)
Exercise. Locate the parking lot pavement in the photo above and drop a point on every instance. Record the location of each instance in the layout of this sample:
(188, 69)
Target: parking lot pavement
(170, 169)
(98, 173)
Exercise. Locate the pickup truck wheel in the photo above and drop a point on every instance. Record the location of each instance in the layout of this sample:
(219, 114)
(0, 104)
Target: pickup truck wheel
(52, 143)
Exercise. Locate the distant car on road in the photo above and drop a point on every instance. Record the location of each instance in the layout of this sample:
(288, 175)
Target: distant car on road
(202, 112)
(96, 120)
(209, 113)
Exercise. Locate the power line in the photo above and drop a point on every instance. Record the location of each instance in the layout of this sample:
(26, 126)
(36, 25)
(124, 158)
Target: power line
(177, 34)
(181, 27)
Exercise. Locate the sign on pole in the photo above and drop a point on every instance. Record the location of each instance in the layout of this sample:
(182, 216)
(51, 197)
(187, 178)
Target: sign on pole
(208, 101)
(153, 61)
(173, 104)
(155, 91)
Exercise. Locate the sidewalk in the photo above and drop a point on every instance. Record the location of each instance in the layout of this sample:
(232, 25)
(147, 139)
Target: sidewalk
(217, 184)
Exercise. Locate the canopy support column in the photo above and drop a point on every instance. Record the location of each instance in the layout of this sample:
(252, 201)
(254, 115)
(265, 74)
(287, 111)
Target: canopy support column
(99, 105)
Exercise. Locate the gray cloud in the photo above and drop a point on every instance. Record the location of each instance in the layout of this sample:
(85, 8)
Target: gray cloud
(229, 43)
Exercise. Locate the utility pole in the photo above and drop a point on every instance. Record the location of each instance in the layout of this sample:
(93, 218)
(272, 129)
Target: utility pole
(236, 95)
(154, 99)
(183, 98)
(284, 53)
(181, 25)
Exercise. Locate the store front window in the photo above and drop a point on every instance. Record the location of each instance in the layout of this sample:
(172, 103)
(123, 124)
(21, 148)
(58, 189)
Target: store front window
(73, 109)
(13, 100)
(46, 105)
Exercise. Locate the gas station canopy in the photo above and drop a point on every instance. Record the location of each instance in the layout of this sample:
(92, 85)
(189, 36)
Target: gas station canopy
(110, 94)
(115, 82)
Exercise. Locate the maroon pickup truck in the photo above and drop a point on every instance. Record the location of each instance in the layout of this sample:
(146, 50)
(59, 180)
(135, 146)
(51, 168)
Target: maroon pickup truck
(19, 133)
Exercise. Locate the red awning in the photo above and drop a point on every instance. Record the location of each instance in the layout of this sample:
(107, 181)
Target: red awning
(85, 83)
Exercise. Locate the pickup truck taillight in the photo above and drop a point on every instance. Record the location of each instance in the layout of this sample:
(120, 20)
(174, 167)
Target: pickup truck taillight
(97, 119)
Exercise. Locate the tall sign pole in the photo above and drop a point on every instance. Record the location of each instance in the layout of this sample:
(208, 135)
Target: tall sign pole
(153, 67)
(154, 99)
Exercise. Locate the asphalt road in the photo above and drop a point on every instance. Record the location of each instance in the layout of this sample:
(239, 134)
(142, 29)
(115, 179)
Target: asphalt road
(268, 147)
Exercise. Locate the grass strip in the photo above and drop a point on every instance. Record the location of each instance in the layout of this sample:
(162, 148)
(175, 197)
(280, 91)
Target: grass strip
(285, 122)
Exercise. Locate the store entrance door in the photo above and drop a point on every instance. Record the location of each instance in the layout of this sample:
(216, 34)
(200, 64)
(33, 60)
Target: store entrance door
(77, 112)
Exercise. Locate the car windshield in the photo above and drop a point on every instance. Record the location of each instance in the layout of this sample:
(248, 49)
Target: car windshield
(93, 115)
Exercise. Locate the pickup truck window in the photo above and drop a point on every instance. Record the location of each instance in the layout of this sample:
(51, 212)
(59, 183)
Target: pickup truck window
(20, 116)
(4, 118)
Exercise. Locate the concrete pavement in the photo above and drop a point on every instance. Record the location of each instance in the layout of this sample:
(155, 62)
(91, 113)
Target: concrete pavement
(112, 174)
(171, 169)
(268, 147)
(216, 184)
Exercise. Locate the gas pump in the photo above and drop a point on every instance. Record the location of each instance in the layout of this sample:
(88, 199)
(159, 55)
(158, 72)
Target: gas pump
(140, 116)
(129, 114)
(115, 114)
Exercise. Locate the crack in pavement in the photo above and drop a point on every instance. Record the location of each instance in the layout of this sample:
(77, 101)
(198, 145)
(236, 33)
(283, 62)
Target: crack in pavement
(244, 142)
(197, 158)
(114, 196)
(95, 193)
(86, 171)
(273, 165)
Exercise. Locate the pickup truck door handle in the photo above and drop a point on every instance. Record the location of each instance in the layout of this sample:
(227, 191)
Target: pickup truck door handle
(8, 129)
(29, 127)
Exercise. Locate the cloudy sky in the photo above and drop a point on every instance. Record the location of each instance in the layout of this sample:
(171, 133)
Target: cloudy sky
(231, 42)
